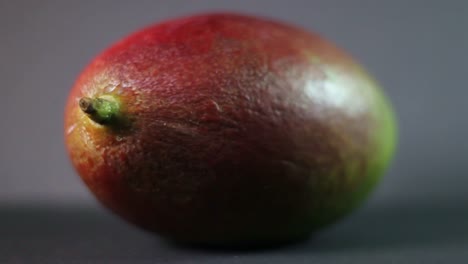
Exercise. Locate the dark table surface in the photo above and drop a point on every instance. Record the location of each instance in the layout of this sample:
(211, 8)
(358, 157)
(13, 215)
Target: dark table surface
(417, 233)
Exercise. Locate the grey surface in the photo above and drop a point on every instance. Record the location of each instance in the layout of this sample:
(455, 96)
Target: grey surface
(416, 49)
(417, 233)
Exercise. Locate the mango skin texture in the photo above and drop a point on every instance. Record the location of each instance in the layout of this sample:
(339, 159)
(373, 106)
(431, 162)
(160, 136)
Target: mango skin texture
(238, 130)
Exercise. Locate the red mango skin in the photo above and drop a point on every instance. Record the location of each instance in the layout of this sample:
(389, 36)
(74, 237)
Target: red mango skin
(239, 130)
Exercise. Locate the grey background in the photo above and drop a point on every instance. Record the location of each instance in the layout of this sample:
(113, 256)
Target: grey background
(417, 50)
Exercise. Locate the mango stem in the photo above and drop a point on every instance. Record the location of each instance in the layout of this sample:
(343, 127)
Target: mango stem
(101, 110)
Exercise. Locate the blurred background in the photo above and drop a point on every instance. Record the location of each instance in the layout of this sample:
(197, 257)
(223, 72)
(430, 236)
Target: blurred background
(417, 49)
